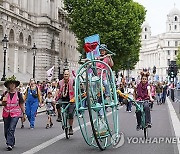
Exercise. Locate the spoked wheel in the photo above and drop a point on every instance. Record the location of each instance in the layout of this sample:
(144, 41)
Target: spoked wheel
(67, 133)
(91, 104)
(145, 133)
(91, 116)
(64, 125)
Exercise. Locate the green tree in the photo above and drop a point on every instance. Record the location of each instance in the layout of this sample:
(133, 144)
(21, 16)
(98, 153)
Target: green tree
(178, 58)
(118, 22)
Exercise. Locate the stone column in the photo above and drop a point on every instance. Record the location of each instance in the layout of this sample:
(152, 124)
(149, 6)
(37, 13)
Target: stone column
(25, 62)
(16, 60)
(45, 7)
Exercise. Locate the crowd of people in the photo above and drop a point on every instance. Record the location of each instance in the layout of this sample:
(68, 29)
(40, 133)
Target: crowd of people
(23, 101)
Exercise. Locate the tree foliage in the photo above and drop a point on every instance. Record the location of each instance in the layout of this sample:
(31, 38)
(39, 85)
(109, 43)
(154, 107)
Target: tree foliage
(178, 58)
(118, 22)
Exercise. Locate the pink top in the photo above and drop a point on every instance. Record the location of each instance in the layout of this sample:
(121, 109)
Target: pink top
(102, 66)
(12, 107)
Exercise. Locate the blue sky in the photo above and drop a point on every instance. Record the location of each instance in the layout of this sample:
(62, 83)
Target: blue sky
(157, 11)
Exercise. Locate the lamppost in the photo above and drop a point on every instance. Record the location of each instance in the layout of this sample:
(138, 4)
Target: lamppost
(34, 58)
(66, 64)
(5, 43)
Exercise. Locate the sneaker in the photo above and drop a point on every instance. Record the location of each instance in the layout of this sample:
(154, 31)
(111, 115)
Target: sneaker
(138, 127)
(70, 131)
(130, 111)
(51, 125)
(59, 119)
(149, 125)
(47, 126)
(9, 148)
(22, 126)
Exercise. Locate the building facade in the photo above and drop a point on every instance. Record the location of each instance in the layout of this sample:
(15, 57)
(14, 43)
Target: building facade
(44, 23)
(159, 50)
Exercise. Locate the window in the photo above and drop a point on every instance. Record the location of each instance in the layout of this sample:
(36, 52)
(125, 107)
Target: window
(176, 43)
(175, 27)
(175, 52)
(168, 52)
(175, 18)
(169, 27)
(168, 62)
(145, 29)
(145, 37)
(168, 43)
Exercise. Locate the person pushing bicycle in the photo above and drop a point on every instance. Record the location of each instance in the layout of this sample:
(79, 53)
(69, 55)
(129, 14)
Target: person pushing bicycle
(142, 93)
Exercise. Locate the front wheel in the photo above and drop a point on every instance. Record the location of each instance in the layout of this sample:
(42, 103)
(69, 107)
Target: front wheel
(145, 133)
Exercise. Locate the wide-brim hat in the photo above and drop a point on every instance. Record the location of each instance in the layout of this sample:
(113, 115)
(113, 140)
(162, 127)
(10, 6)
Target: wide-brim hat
(103, 47)
(10, 80)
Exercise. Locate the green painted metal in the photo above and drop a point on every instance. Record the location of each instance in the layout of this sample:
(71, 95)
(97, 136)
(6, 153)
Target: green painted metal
(104, 126)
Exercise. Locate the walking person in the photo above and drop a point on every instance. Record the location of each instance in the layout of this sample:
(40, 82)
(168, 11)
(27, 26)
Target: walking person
(159, 93)
(33, 100)
(13, 109)
(164, 92)
(153, 94)
(49, 109)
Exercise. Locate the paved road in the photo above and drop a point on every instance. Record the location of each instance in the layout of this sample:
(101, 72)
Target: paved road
(50, 141)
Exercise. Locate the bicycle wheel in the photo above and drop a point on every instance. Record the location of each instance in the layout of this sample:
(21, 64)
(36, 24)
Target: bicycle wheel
(91, 116)
(145, 133)
(64, 123)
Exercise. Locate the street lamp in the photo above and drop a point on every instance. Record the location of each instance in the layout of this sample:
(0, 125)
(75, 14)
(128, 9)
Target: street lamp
(34, 56)
(5, 43)
(66, 64)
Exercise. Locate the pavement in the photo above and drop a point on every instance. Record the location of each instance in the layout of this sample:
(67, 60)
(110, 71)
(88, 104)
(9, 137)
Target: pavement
(40, 110)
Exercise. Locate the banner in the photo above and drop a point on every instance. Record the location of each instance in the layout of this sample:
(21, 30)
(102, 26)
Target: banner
(92, 45)
(50, 73)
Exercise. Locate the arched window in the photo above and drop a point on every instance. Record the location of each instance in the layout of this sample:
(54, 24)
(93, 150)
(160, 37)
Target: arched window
(11, 35)
(175, 27)
(29, 41)
(175, 18)
(52, 44)
(145, 29)
(21, 38)
(1, 32)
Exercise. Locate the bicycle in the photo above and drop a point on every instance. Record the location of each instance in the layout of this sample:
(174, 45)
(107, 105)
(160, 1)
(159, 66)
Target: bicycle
(103, 127)
(64, 116)
(139, 107)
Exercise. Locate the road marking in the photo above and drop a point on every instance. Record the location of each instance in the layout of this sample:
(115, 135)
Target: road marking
(55, 139)
(175, 121)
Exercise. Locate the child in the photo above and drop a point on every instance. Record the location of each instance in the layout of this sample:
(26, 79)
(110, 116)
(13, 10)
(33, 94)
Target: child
(49, 109)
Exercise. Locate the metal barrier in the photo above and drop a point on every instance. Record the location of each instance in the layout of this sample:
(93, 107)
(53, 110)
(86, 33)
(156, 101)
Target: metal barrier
(177, 97)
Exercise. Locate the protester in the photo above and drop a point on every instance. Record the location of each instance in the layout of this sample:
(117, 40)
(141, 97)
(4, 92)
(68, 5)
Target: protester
(13, 109)
(49, 109)
(33, 100)
(66, 94)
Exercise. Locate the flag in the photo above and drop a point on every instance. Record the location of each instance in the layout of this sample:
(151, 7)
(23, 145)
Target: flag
(92, 46)
(50, 73)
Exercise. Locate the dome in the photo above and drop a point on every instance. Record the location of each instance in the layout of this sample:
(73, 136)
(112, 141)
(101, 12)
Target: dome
(145, 24)
(174, 11)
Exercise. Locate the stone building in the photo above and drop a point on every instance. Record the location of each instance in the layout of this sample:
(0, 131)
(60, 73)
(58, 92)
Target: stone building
(161, 49)
(44, 23)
